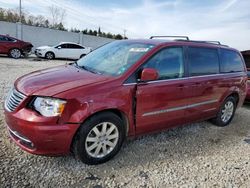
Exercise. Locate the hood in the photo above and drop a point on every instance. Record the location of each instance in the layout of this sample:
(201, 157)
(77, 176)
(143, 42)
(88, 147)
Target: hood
(55, 80)
(43, 47)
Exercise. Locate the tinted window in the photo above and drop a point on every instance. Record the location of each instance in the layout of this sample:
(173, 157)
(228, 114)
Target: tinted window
(248, 74)
(203, 61)
(74, 46)
(64, 45)
(168, 62)
(6, 39)
(9, 39)
(231, 61)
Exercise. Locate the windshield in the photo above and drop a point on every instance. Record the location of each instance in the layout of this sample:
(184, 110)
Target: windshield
(114, 58)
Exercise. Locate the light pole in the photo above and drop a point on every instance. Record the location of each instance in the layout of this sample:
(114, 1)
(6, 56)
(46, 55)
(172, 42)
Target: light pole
(20, 10)
(124, 33)
(19, 25)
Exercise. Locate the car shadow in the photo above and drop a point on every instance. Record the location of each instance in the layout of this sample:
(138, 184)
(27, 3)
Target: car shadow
(246, 105)
(188, 141)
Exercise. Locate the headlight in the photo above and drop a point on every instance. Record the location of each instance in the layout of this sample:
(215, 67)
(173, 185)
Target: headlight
(49, 107)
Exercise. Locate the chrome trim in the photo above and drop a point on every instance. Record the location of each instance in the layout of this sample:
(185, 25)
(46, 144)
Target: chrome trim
(19, 136)
(210, 109)
(179, 108)
(190, 77)
(129, 84)
(13, 100)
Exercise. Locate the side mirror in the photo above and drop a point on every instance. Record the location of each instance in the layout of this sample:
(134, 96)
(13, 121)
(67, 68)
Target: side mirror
(59, 47)
(149, 74)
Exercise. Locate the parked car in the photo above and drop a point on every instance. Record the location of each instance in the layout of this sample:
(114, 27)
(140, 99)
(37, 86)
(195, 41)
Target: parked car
(124, 89)
(13, 47)
(248, 86)
(67, 50)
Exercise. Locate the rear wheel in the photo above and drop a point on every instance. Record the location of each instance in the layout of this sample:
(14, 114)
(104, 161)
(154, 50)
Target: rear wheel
(15, 53)
(226, 112)
(99, 139)
(49, 55)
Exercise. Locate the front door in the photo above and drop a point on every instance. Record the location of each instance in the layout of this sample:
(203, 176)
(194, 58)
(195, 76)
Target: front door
(4, 45)
(161, 104)
(61, 51)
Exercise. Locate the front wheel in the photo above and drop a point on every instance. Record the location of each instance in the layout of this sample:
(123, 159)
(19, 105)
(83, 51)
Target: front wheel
(49, 55)
(15, 53)
(226, 112)
(99, 139)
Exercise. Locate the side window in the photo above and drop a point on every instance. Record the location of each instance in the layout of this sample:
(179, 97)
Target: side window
(168, 62)
(64, 45)
(3, 39)
(77, 46)
(74, 46)
(231, 61)
(9, 39)
(203, 61)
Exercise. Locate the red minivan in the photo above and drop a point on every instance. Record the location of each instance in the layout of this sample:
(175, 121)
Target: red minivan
(124, 89)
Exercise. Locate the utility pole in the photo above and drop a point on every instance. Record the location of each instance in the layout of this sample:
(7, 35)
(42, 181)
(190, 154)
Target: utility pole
(124, 33)
(20, 10)
(19, 31)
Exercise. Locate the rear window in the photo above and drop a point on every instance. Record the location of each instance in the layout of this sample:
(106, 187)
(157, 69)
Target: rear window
(203, 61)
(231, 61)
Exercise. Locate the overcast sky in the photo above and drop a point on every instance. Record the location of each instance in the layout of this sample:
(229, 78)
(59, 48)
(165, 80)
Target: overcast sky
(225, 20)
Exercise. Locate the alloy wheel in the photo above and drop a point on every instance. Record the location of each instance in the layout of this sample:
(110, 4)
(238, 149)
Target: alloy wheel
(15, 53)
(101, 140)
(227, 111)
(49, 56)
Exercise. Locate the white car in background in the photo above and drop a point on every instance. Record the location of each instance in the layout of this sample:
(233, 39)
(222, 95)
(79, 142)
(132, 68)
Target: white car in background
(67, 50)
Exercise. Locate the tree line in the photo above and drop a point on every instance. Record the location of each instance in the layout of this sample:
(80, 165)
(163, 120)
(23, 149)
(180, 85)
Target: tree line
(99, 33)
(55, 22)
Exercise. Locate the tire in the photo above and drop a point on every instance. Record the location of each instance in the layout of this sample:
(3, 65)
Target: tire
(226, 112)
(90, 141)
(82, 55)
(49, 55)
(15, 53)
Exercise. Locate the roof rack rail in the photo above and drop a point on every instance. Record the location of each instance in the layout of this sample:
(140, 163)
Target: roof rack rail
(201, 41)
(184, 37)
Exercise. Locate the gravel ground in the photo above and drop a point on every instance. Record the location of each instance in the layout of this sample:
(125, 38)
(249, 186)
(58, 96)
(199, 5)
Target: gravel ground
(197, 155)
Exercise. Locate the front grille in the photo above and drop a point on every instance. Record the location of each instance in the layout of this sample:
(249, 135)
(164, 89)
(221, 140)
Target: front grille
(13, 100)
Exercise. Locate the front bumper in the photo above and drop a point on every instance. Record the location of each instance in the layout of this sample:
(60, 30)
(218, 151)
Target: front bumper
(39, 135)
(39, 53)
(27, 50)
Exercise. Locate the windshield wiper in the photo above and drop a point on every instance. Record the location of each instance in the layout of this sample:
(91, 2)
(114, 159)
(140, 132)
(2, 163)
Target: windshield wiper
(85, 68)
(90, 70)
(75, 64)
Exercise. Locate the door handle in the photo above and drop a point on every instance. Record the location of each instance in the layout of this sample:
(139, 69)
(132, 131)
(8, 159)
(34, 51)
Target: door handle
(197, 84)
(181, 86)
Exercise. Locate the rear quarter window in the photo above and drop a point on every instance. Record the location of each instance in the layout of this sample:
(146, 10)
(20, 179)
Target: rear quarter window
(230, 61)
